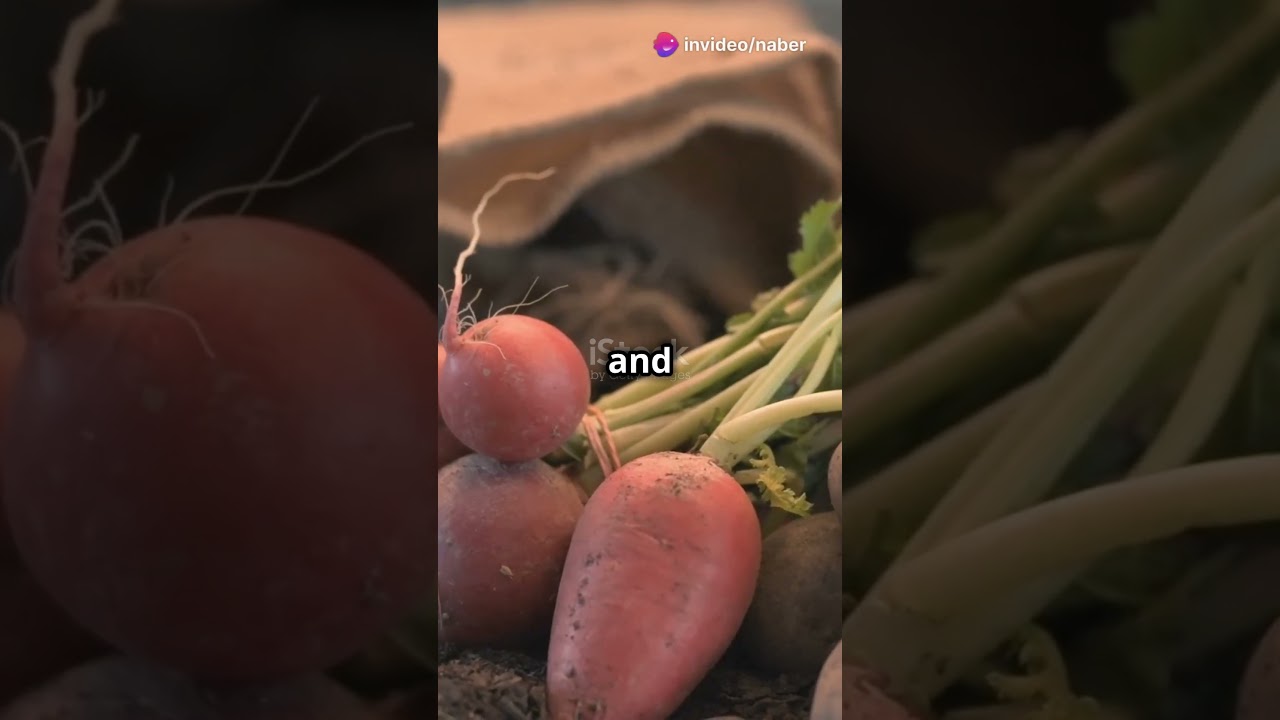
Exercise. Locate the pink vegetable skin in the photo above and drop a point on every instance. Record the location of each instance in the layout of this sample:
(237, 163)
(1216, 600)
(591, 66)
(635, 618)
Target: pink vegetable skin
(513, 387)
(448, 448)
(214, 457)
(660, 572)
(504, 532)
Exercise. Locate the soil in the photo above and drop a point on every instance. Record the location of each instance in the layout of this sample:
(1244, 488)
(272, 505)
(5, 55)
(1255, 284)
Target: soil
(489, 685)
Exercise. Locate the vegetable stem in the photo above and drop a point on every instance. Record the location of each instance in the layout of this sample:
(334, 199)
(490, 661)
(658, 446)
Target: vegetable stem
(936, 612)
(738, 438)
(822, 364)
(759, 349)
(1056, 420)
(1025, 459)
(678, 431)
(1040, 313)
(965, 572)
(643, 388)
(892, 503)
(1219, 369)
(775, 305)
(793, 351)
(978, 272)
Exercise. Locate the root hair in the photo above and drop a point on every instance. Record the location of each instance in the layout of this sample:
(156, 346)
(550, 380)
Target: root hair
(268, 180)
(451, 328)
(525, 301)
(186, 318)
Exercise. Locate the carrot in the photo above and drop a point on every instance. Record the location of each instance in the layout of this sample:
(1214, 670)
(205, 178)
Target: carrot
(659, 575)
(219, 463)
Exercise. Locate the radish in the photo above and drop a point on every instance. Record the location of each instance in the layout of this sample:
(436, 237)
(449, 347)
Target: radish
(214, 454)
(659, 575)
(448, 448)
(504, 533)
(513, 387)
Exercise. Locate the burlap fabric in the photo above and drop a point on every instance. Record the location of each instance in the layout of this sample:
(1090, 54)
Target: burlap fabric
(699, 163)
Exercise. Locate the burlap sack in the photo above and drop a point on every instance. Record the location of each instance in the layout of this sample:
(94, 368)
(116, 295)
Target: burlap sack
(702, 161)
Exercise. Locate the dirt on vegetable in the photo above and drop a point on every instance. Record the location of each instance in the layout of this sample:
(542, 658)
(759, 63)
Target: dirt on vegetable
(493, 685)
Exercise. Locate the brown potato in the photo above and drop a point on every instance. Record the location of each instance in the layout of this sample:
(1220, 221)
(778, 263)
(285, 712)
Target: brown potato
(795, 616)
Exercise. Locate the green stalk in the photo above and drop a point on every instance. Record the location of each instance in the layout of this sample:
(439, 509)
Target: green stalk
(1037, 315)
(893, 502)
(775, 305)
(979, 273)
(643, 388)
(679, 431)
(954, 645)
(740, 437)
(1025, 459)
(966, 573)
(822, 363)
(970, 589)
(784, 362)
(1219, 369)
(758, 350)
(1189, 424)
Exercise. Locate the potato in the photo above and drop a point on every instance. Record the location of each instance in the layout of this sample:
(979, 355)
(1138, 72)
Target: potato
(1260, 689)
(835, 480)
(795, 616)
(118, 688)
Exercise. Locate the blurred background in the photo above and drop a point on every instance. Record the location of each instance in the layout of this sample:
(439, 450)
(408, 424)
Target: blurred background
(212, 89)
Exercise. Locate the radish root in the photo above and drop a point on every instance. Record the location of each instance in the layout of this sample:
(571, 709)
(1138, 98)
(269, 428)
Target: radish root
(94, 100)
(599, 437)
(38, 276)
(451, 330)
(157, 307)
(525, 301)
(267, 182)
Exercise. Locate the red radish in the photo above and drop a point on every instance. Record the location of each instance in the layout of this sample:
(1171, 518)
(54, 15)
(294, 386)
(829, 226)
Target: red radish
(504, 532)
(513, 387)
(214, 456)
(660, 572)
(448, 448)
